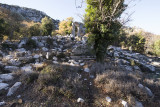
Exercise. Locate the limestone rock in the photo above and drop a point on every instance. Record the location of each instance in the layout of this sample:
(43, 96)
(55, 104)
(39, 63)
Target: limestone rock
(6, 77)
(27, 69)
(2, 103)
(80, 100)
(12, 68)
(13, 88)
(38, 65)
(108, 99)
(138, 104)
(45, 49)
(125, 104)
(147, 68)
(140, 86)
(3, 86)
(86, 70)
(55, 58)
(36, 56)
(149, 92)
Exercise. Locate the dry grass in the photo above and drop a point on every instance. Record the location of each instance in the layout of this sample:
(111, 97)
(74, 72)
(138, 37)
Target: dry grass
(57, 84)
(119, 85)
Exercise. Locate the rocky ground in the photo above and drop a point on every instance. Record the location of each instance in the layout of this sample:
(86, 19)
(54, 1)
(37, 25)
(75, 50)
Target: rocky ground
(60, 71)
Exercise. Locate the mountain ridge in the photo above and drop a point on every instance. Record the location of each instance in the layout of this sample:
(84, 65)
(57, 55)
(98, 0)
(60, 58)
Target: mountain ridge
(28, 13)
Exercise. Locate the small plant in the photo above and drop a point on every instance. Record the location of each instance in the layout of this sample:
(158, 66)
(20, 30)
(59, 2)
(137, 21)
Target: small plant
(132, 62)
(5, 38)
(29, 78)
(50, 74)
(156, 48)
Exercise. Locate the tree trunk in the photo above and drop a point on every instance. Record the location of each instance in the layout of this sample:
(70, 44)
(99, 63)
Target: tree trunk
(100, 48)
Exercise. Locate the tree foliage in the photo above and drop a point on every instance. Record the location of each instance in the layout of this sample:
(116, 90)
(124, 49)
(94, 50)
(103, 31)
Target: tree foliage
(102, 22)
(65, 26)
(156, 47)
(137, 42)
(4, 26)
(34, 30)
(47, 26)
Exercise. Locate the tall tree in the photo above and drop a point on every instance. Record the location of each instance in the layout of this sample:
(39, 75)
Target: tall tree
(102, 22)
(47, 26)
(65, 26)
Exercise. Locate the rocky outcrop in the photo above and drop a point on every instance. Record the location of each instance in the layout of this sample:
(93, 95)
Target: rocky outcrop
(127, 58)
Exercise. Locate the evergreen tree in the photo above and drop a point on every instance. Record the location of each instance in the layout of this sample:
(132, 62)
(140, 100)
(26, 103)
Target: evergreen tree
(47, 26)
(101, 21)
(35, 30)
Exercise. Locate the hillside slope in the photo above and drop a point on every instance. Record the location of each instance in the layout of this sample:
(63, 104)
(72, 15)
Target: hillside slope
(28, 13)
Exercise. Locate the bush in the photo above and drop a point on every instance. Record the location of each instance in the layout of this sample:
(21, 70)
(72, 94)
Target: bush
(31, 44)
(65, 26)
(156, 47)
(54, 33)
(47, 26)
(50, 74)
(4, 28)
(34, 30)
(29, 78)
(136, 42)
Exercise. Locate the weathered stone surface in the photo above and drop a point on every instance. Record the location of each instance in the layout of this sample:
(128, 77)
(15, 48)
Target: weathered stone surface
(38, 65)
(149, 92)
(22, 42)
(124, 103)
(129, 68)
(3, 86)
(2, 103)
(6, 77)
(80, 100)
(12, 68)
(36, 56)
(143, 62)
(86, 70)
(147, 68)
(108, 99)
(14, 88)
(138, 104)
(45, 49)
(140, 86)
(27, 69)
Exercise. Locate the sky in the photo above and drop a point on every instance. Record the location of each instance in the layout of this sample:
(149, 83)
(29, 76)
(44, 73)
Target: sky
(146, 13)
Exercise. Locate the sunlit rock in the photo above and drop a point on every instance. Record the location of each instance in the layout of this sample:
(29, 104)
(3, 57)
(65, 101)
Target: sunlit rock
(3, 86)
(6, 77)
(14, 88)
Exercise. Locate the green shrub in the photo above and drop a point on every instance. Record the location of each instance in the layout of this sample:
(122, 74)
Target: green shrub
(47, 26)
(30, 78)
(65, 26)
(156, 47)
(50, 74)
(34, 30)
(137, 42)
(31, 44)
